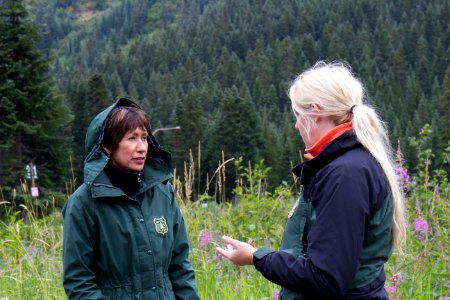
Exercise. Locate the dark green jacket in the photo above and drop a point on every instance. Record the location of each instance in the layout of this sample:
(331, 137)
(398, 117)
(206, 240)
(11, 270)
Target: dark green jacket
(117, 247)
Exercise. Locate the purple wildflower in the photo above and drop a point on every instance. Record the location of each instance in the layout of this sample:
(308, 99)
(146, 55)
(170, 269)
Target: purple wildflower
(219, 260)
(421, 228)
(402, 175)
(395, 281)
(275, 294)
(205, 239)
(219, 257)
(391, 289)
(397, 278)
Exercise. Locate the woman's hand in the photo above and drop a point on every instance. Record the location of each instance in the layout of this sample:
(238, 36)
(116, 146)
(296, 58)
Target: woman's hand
(237, 252)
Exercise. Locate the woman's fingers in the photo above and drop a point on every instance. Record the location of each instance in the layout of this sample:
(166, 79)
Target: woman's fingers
(224, 252)
(228, 240)
(228, 250)
(237, 252)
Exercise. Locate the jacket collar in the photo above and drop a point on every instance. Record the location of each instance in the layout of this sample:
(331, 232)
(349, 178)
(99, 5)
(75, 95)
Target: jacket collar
(346, 142)
(153, 175)
(326, 139)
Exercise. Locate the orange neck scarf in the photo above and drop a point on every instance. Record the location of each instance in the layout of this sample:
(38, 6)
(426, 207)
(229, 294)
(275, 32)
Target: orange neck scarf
(326, 139)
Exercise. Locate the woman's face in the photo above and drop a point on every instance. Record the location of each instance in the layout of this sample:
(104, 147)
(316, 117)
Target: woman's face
(131, 152)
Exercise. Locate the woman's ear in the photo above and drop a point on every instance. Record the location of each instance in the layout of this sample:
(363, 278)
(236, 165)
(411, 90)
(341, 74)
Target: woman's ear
(107, 150)
(315, 107)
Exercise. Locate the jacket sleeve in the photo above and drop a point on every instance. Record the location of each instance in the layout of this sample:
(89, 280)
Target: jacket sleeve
(181, 272)
(79, 279)
(335, 240)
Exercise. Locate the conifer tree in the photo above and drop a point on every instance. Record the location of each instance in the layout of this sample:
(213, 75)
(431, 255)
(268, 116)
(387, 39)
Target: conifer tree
(236, 132)
(35, 127)
(188, 114)
(98, 96)
(89, 98)
(444, 110)
(78, 95)
(293, 147)
(271, 150)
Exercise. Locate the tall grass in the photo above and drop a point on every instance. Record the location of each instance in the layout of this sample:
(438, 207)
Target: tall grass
(30, 248)
(30, 253)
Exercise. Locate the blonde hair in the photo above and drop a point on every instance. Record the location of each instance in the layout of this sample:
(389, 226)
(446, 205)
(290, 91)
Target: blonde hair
(339, 95)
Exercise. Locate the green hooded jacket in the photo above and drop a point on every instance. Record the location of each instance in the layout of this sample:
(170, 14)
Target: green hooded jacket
(116, 247)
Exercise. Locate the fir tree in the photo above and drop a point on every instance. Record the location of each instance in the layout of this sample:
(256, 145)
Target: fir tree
(444, 111)
(236, 132)
(88, 99)
(35, 127)
(189, 116)
(98, 97)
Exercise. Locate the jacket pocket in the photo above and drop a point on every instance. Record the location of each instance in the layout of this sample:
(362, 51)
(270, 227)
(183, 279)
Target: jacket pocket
(295, 233)
(167, 288)
(304, 215)
(119, 293)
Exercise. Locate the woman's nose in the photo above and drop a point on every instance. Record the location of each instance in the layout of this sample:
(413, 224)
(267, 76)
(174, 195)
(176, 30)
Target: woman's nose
(142, 145)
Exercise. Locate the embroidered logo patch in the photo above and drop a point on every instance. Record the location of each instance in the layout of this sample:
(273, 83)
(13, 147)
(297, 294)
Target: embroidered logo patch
(293, 208)
(161, 225)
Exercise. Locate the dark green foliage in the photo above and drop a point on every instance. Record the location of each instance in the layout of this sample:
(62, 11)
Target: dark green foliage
(182, 58)
(236, 132)
(189, 115)
(443, 109)
(34, 118)
(89, 97)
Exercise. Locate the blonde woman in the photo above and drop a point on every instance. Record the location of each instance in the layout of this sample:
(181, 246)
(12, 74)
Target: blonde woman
(349, 215)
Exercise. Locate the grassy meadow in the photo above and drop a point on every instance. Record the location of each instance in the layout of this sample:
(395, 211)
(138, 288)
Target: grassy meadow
(30, 248)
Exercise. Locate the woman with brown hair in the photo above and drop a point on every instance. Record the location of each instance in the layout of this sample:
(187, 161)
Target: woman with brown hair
(124, 235)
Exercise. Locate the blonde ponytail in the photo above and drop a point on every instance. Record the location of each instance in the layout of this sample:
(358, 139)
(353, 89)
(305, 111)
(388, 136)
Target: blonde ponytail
(372, 134)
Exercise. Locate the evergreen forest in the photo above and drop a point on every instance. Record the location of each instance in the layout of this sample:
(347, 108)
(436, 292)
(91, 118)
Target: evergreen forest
(218, 69)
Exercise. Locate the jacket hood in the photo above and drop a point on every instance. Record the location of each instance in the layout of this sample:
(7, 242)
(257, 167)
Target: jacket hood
(96, 159)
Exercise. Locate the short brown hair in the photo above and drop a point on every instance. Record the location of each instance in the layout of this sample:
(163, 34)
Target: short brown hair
(121, 120)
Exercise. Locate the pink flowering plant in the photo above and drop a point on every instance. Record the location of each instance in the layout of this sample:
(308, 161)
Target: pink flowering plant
(401, 171)
(424, 263)
(392, 288)
(205, 239)
(421, 229)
